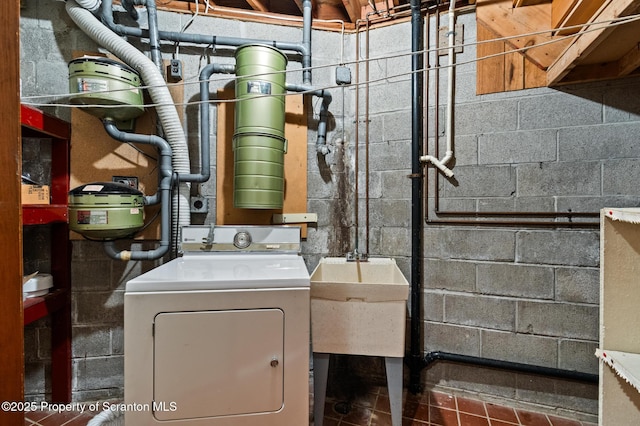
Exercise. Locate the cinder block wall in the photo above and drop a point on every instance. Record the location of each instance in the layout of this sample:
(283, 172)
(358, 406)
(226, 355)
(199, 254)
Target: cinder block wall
(518, 293)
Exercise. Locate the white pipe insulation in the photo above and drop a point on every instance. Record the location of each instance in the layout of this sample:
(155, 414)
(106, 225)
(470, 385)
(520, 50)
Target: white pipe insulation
(158, 91)
(451, 36)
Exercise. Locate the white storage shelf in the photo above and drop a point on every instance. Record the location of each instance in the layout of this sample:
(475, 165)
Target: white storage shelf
(619, 352)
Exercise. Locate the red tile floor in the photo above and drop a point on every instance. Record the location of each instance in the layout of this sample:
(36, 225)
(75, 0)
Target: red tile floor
(373, 409)
(437, 409)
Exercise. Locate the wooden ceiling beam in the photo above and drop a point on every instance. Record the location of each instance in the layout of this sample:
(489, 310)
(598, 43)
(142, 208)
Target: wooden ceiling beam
(258, 5)
(523, 26)
(586, 42)
(353, 9)
(299, 4)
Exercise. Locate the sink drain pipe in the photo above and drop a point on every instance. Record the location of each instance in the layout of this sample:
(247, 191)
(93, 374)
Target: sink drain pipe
(416, 361)
(432, 357)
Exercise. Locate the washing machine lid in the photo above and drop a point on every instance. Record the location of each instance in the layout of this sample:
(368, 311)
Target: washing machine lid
(224, 271)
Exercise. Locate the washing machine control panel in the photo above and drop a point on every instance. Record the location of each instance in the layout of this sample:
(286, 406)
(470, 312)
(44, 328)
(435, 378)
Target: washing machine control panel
(236, 238)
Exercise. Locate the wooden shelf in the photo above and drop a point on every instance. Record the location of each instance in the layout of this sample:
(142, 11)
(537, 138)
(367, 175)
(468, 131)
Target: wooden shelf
(36, 308)
(44, 214)
(56, 304)
(619, 316)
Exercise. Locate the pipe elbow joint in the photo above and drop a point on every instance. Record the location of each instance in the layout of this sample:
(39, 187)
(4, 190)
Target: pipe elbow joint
(322, 149)
(439, 164)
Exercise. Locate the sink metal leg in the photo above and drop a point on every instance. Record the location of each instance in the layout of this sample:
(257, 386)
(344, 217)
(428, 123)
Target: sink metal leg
(393, 366)
(320, 374)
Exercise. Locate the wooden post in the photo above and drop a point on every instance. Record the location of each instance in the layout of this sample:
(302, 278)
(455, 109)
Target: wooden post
(11, 327)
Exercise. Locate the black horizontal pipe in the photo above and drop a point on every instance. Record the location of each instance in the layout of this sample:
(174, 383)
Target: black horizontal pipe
(432, 357)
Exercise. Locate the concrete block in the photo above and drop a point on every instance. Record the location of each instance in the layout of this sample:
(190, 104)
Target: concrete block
(393, 95)
(547, 179)
(390, 155)
(36, 380)
(571, 248)
(478, 181)
(30, 344)
(433, 306)
(505, 204)
(91, 275)
(517, 147)
(395, 241)
(480, 311)
(465, 150)
(98, 373)
(568, 398)
(449, 275)
(389, 40)
(98, 308)
(44, 343)
(395, 184)
(486, 117)
(375, 126)
(481, 244)
(374, 186)
(451, 205)
(487, 381)
(536, 204)
(594, 204)
(558, 110)
(91, 341)
(397, 126)
(117, 340)
(48, 81)
(522, 348)
(84, 250)
(558, 319)
(619, 177)
(578, 285)
(598, 142)
(390, 212)
(107, 394)
(451, 338)
(578, 355)
(534, 282)
(618, 105)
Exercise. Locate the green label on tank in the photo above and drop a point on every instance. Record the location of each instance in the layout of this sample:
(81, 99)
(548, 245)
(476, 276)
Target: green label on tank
(259, 87)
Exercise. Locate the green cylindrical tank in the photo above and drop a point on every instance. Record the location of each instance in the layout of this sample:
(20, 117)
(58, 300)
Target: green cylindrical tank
(103, 81)
(106, 210)
(258, 142)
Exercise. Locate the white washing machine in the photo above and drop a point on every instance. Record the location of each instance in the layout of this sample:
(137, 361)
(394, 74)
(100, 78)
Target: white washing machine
(220, 336)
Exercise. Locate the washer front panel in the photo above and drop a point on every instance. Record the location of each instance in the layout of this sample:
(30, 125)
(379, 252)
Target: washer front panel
(218, 363)
(142, 309)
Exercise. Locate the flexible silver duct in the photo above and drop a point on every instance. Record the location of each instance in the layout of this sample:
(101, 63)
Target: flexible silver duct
(160, 96)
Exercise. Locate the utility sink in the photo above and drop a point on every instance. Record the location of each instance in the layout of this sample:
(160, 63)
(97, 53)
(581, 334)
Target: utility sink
(358, 307)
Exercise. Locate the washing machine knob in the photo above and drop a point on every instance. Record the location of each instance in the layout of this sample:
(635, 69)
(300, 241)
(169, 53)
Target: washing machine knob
(242, 240)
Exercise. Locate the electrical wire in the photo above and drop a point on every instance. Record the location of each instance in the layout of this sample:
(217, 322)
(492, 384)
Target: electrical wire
(594, 26)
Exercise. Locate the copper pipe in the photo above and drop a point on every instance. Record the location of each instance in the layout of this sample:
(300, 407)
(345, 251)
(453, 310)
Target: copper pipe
(366, 135)
(519, 214)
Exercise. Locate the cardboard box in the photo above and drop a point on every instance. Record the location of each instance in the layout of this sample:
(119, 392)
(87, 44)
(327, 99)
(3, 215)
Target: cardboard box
(359, 308)
(35, 194)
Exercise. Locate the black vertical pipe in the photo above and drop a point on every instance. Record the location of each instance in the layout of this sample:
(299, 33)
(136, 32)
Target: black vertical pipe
(416, 362)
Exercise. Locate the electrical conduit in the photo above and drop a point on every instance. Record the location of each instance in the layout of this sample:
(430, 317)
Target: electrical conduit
(160, 96)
